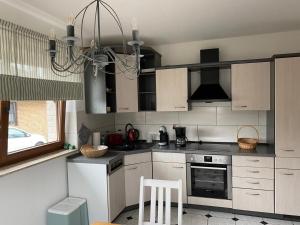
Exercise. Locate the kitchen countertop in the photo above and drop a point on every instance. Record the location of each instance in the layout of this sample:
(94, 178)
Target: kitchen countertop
(209, 148)
(264, 150)
(109, 157)
(206, 148)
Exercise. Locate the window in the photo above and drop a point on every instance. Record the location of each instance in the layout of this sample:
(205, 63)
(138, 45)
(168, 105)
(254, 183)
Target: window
(29, 129)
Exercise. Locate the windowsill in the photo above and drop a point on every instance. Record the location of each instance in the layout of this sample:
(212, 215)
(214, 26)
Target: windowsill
(32, 162)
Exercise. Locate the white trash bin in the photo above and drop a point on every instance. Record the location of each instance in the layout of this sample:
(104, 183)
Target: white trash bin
(70, 211)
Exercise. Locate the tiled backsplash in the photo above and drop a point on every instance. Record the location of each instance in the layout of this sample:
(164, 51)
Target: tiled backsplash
(216, 123)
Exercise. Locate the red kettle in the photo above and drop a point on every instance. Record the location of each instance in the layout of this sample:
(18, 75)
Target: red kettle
(132, 134)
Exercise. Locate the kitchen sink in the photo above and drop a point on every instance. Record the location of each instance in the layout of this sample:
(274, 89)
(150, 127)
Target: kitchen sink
(132, 147)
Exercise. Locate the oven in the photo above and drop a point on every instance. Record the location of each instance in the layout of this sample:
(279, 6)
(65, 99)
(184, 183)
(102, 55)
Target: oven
(209, 176)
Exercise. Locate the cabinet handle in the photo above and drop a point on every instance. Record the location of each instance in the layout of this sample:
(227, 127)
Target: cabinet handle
(253, 194)
(243, 106)
(288, 150)
(123, 108)
(179, 107)
(253, 171)
(253, 160)
(178, 167)
(132, 168)
(288, 174)
(249, 182)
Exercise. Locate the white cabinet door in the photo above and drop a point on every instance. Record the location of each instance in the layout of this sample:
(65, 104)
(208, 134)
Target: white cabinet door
(250, 85)
(287, 195)
(172, 89)
(133, 174)
(287, 107)
(126, 89)
(116, 183)
(253, 200)
(171, 171)
(89, 181)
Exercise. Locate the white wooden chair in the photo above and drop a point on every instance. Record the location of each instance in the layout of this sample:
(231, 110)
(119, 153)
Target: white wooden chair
(160, 185)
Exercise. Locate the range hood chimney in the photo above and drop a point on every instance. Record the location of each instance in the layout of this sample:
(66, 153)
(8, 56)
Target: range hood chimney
(210, 89)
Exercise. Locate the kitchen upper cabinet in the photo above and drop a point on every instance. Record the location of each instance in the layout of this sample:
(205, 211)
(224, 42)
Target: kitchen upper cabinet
(133, 174)
(126, 89)
(287, 196)
(172, 89)
(287, 107)
(171, 171)
(250, 86)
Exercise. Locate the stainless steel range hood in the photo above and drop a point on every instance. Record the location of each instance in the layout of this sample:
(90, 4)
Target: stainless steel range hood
(210, 89)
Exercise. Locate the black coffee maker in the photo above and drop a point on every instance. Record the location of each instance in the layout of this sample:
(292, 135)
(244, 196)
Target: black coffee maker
(163, 136)
(181, 138)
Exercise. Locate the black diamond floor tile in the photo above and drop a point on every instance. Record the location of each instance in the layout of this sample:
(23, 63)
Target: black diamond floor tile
(263, 222)
(208, 215)
(129, 218)
(184, 212)
(235, 219)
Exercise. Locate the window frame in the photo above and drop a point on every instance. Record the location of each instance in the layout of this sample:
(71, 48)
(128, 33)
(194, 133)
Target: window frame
(8, 159)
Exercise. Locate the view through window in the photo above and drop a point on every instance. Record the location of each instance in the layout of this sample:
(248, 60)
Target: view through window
(31, 124)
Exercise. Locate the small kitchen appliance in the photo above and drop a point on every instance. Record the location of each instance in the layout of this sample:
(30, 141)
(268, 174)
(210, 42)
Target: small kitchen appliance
(163, 136)
(181, 138)
(132, 134)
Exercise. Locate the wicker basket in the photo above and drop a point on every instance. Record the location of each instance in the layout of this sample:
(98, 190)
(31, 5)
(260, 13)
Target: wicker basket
(91, 152)
(248, 144)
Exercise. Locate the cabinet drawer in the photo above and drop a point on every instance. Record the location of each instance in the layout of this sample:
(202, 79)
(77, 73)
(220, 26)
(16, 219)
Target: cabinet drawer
(137, 158)
(253, 161)
(252, 172)
(287, 163)
(253, 183)
(253, 200)
(168, 157)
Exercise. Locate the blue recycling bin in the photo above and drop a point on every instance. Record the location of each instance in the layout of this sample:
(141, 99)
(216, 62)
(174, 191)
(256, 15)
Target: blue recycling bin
(70, 211)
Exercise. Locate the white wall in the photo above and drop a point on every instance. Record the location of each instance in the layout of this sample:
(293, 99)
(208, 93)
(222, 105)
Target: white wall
(26, 195)
(244, 47)
(214, 122)
(76, 116)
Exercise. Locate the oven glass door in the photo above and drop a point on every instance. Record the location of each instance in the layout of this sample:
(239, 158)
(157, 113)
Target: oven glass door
(208, 180)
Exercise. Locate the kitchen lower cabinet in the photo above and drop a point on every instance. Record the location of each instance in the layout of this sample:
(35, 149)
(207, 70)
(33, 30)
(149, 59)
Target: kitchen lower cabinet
(250, 86)
(172, 89)
(171, 171)
(287, 107)
(133, 174)
(253, 183)
(105, 193)
(253, 200)
(116, 193)
(287, 196)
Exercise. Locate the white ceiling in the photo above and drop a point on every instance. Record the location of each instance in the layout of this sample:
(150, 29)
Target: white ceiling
(163, 21)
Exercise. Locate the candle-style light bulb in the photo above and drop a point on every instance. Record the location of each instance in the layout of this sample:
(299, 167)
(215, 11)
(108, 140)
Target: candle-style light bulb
(71, 20)
(134, 24)
(52, 35)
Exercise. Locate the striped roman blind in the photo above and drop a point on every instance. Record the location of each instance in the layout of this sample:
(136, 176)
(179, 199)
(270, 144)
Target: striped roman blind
(25, 67)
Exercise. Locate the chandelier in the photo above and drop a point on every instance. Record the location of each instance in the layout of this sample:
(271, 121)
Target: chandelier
(97, 55)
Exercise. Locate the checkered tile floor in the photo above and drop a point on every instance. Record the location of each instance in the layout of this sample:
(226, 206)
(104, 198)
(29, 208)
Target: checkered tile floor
(202, 217)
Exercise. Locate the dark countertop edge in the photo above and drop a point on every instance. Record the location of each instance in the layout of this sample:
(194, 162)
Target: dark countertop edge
(155, 148)
(79, 158)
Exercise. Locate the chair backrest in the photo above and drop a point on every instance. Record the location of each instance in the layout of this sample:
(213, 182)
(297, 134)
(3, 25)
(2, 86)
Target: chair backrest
(161, 185)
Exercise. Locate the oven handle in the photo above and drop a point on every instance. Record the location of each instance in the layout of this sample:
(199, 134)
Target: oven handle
(208, 168)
